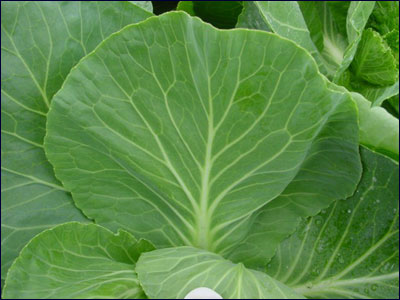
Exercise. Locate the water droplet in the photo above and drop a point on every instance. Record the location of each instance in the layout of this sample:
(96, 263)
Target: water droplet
(323, 211)
(374, 287)
(349, 211)
(374, 179)
(341, 260)
(318, 222)
(394, 210)
(269, 265)
(309, 285)
(378, 201)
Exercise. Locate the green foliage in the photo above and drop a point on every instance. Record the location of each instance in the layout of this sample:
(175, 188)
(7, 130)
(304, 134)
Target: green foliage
(235, 153)
(41, 42)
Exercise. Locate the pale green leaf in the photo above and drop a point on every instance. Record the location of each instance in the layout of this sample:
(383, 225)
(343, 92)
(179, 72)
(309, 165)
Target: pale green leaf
(350, 250)
(189, 140)
(146, 5)
(40, 43)
(74, 260)
(172, 273)
(379, 130)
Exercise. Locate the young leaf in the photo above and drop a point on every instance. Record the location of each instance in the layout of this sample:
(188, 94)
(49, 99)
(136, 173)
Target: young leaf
(41, 42)
(174, 272)
(74, 260)
(351, 249)
(199, 130)
(357, 17)
(374, 61)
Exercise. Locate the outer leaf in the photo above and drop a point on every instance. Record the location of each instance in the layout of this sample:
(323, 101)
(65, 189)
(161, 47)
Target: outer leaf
(41, 42)
(73, 260)
(351, 249)
(174, 272)
(200, 140)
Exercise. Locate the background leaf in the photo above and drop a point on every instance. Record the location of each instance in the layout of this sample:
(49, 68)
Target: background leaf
(351, 249)
(379, 130)
(172, 273)
(74, 260)
(41, 42)
(221, 14)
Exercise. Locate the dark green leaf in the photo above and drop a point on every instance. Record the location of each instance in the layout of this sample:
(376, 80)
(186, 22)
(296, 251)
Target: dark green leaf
(350, 250)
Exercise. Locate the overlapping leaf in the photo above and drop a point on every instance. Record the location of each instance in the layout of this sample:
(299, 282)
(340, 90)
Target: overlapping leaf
(172, 273)
(331, 32)
(74, 260)
(350, 250)
(41, 42)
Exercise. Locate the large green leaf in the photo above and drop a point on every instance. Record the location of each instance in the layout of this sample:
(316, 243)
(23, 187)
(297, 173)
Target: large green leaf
(40, 43)
(179, 135)
(172, 273)
(74, 260)
(350, 250)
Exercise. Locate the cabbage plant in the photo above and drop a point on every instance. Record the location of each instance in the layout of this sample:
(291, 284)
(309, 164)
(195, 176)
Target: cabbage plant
(174, 156)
